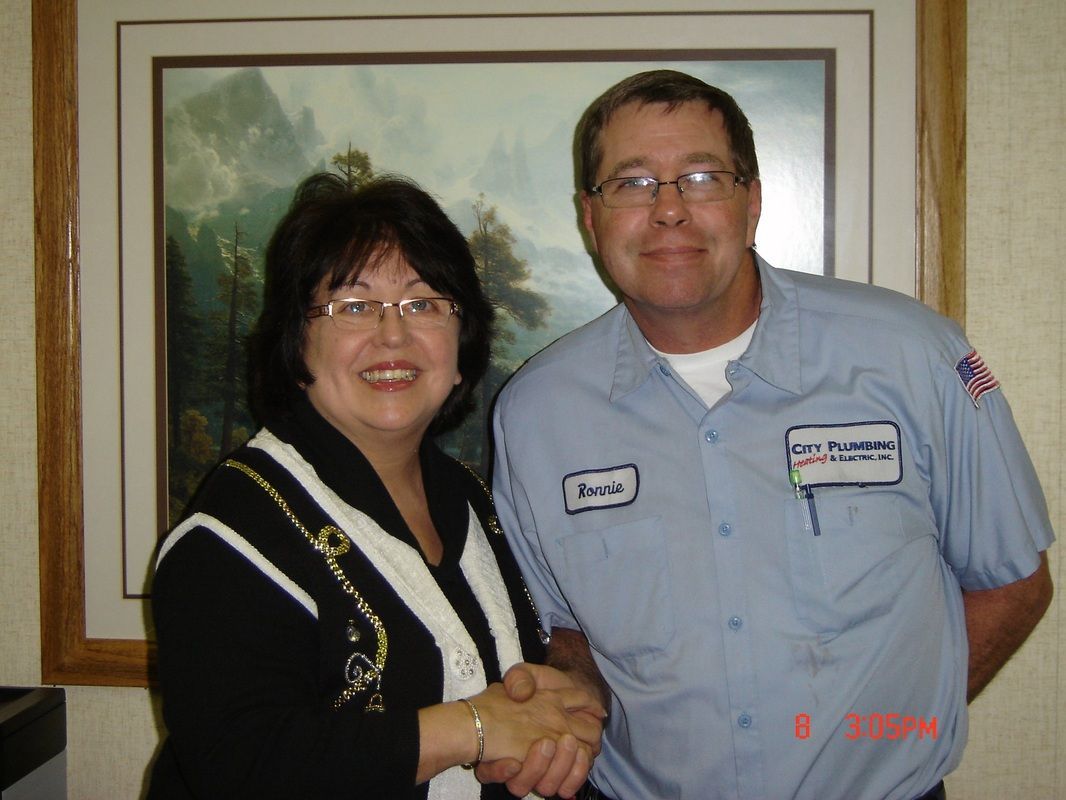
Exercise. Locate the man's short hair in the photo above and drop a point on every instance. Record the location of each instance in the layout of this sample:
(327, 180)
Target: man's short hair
(672, 88)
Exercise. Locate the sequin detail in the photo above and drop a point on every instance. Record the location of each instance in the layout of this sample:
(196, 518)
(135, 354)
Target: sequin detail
(352, 632)
(464, 663)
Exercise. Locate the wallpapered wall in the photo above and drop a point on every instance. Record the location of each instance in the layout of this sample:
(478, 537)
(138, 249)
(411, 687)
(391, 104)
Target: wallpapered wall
(1015, 294)
(1016, 109)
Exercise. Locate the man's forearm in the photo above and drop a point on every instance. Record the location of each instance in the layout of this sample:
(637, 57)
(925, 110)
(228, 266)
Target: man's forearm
(569, 652)
(999, 620)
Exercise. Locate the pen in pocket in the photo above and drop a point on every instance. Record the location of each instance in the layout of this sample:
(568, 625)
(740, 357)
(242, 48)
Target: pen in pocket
(803, 492)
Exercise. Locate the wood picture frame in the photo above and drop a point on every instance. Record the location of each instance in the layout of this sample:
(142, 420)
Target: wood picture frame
(68, 656)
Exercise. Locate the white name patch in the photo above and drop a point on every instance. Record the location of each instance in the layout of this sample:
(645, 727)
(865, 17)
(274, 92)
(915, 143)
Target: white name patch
(601, 488)
(857, 453)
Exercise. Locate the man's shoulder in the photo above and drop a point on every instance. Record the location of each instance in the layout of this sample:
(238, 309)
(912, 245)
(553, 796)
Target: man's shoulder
(585, 349)
(873, 311)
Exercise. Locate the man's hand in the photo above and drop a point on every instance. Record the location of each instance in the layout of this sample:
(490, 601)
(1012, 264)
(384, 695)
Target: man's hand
(523, 680)
(550, 768)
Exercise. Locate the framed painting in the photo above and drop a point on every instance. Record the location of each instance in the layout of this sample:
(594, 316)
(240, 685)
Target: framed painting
(158, 238)
(233, 136)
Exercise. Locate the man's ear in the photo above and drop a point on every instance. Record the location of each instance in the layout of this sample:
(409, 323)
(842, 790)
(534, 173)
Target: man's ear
(754, 208)
(587, 201)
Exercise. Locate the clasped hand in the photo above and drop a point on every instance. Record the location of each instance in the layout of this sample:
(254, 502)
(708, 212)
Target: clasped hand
(540, 712)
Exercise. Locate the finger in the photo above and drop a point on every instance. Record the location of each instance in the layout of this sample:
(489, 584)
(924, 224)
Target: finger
(587, 729)
(499, 771)
(565, 754)
(597, 724)
(538, 759)
(546, 677)
(579, 773)
(580, 700)
(520, 682)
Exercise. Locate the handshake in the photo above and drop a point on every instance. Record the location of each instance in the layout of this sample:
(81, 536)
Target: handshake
(538, 731)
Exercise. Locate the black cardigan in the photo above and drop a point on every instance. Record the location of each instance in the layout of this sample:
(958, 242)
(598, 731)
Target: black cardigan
(253, 684)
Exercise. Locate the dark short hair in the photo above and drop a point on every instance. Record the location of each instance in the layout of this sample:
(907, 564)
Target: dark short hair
(661, 86)
(333, 232)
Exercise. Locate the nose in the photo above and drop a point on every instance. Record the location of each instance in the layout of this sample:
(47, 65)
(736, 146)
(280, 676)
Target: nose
(669, 208)
(392, 329)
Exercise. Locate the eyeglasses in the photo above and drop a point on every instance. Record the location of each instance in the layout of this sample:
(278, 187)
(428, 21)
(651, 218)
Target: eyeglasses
(696, 187)
(364, 315)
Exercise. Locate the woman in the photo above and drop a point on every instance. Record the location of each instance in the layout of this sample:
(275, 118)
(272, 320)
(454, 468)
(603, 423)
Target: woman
(335, 613)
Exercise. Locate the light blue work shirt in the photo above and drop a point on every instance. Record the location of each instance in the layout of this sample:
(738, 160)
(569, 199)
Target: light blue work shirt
(753, 653)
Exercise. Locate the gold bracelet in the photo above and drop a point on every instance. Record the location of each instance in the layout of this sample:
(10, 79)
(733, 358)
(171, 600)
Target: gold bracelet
(480, 735)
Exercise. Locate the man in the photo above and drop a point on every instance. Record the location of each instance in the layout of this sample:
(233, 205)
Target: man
(788, 520)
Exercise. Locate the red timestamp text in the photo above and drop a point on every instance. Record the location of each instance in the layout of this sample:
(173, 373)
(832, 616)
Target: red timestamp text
(876, 726)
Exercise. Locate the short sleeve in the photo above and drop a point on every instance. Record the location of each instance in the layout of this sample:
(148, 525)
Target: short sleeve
(989, 504)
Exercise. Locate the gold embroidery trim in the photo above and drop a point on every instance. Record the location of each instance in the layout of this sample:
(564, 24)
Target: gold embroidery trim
(494, 521)
(330, 542)
(494, 526)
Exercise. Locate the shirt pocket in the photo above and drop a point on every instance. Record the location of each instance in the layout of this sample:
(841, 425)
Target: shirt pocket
(619, 587)
(852, 571)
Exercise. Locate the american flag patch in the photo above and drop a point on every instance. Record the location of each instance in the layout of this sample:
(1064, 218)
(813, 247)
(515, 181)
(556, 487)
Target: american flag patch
(975, 376)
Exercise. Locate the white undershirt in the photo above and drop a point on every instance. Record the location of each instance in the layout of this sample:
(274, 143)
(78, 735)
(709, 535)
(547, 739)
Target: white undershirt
(705, 371)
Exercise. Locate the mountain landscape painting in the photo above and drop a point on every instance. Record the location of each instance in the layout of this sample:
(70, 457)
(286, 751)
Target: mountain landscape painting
(491, 141)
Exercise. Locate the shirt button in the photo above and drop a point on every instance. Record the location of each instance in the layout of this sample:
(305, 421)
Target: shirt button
(665, 370)
(711, 436)
(736, 623)
(744, 721)
(725, 529)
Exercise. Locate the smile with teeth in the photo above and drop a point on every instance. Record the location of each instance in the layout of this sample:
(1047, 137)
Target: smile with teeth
(383, 375)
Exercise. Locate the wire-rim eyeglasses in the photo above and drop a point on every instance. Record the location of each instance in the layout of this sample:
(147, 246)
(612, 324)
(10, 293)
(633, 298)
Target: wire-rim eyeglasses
(696, 187)
(361, 314)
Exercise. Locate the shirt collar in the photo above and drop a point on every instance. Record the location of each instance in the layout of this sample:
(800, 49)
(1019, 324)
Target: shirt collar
(635, 357)
(773, 355)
